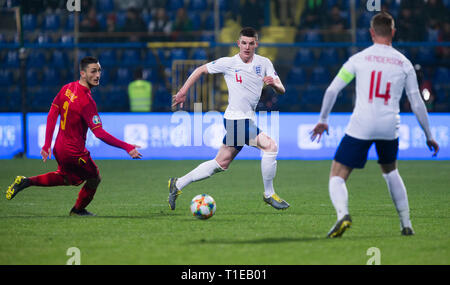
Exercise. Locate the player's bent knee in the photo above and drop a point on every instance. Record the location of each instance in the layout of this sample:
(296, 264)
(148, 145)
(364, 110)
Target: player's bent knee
(93, 182)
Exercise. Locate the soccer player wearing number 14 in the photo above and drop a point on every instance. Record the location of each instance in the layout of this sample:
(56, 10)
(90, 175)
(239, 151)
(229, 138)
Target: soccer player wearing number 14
(78, 112)
(381, 75)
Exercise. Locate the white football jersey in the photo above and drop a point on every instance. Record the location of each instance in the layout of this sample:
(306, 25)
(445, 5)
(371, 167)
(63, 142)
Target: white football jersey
(244, 81)
(381, 74)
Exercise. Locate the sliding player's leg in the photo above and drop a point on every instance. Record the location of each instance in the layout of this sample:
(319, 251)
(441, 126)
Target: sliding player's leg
(220, 163)
(85, 169)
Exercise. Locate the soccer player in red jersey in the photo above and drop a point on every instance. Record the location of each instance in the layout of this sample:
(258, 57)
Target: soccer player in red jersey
(78, 111)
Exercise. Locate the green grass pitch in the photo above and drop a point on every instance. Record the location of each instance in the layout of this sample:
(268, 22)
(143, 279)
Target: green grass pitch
(135, 226)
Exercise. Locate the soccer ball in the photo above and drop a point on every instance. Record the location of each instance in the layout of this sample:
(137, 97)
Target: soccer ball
(203, 206)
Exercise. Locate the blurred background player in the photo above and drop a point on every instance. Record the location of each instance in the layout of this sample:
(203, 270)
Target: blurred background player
(245, 75)
(381, 75)
(78, 112)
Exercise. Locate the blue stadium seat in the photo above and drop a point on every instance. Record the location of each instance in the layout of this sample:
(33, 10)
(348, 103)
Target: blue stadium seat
(108, 57)
(442, 75)
(364, 19)
(6, 77)
(105, 77)
(162, 99)
(11, 59)
(101, 18)
(105, 5)
(67, 39)
(362, 35)
(320, 75)
(41, 98)
(130, 57)
(198, 5)
(51, 77)
(200, 54)
(14, 102)
(32, 77)
(150, 58)
(426, 55)
(44, 39)
(174, 4)
(121, 17)
(312, 95)
(312, 36)
(124, 76)
(150, 74)
(210, 22)
(51, 22)
(296, 76)
(178, 54)
(304, 56)
(207, 37)
(196, 19)
(29, 22)
(36, 59)
(147, 17)
(59, 59)
(329, 56)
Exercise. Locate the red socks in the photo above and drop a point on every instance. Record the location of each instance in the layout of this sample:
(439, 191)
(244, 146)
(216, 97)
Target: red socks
(48, 179)
(84, 197)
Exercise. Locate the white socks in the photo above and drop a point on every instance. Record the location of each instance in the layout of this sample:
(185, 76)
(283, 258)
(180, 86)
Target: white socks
(203, 171)
(268, 171)
(397, 190)
(398, 194)
(338, 195)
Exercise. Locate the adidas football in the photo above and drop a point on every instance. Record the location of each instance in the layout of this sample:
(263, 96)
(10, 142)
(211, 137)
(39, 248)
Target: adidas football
(203, 206)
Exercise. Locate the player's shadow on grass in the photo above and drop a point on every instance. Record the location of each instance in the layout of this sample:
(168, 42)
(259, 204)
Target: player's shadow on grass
(262, 240)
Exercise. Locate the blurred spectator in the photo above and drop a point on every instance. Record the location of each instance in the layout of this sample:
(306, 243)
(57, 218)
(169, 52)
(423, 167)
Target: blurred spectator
(183, 25)
(140, 93)
(129, 4)
(336, 25)
(406, 26)
(313, 15)
(134, 24)
(285, 11)
(444, 36)
(154, 4)
(252, 14)
(89, 24)
(111, 28)
(161, 25)
(412, 11)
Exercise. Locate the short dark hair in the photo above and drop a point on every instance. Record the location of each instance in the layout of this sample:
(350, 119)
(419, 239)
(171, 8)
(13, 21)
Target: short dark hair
(249, 32)
(85, 61)
(383, 24)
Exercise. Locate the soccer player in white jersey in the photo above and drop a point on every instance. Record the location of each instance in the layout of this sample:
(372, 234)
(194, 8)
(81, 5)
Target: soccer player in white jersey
(245, 75)
(381, 75)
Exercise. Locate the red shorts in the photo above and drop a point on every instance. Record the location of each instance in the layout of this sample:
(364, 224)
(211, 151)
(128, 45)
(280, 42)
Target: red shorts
(76, 169)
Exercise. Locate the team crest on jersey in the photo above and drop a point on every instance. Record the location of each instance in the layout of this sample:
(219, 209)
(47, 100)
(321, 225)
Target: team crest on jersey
(96, 120)
(258, 70)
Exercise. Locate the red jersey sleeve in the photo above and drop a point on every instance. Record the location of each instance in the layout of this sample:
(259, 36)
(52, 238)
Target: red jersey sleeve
(52, 117)
(90, 115)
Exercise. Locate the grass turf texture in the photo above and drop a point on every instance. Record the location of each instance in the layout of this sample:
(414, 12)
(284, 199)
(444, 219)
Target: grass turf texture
(135, 226)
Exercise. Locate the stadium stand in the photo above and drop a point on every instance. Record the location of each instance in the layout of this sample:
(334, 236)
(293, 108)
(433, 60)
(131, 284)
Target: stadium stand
(305, 69)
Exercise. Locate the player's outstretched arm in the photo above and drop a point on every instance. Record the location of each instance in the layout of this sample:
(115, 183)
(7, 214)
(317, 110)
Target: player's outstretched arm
(52, 117)
(275, 83)
(180, 97)
(111, 140)
(419, 109)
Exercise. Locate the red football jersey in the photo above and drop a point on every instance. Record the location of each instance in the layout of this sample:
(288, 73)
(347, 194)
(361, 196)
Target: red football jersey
(78, 112)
